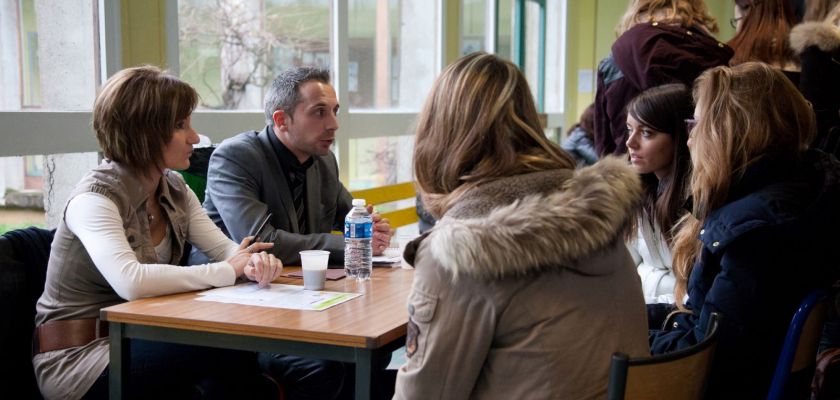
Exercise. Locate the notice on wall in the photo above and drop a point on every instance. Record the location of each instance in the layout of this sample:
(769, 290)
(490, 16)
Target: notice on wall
(586, 79)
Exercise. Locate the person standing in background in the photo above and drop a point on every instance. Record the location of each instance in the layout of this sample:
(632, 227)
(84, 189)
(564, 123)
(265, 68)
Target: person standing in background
(660, 41)
(579, 138)
(763, 27)
(817, 43)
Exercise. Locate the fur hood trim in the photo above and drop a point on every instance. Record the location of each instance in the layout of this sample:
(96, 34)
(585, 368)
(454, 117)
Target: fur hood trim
(582, 215)
(821, 34)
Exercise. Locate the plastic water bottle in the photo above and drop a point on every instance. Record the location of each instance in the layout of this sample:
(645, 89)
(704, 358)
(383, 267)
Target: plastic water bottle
(358, 234)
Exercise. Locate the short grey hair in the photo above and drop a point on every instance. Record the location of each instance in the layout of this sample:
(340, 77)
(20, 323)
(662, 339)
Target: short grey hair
(284, 93)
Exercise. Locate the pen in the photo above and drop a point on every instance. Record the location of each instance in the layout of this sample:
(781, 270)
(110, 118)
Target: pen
(261, 227)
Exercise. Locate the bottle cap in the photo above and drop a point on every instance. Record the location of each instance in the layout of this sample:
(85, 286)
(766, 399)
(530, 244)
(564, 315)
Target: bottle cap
(359, 202)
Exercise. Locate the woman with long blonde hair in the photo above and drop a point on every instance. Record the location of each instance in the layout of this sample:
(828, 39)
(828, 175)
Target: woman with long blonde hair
(762, 225)
(520, 285)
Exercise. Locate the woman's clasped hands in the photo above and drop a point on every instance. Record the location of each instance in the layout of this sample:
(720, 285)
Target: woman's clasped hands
(254, 263)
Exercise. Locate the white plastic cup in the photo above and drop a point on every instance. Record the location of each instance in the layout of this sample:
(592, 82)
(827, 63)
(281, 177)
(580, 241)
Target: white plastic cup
(314, 267)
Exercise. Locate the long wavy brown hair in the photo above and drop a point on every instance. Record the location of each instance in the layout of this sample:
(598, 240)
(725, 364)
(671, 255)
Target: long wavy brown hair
(746, 113)
(764, 34)
(664, 109)
(690, 13)
(478, 124)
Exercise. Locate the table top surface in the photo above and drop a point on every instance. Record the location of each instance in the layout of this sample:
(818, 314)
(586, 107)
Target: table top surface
(372, 320)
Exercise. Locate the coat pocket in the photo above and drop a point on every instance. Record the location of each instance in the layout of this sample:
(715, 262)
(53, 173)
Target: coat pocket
(421, 311)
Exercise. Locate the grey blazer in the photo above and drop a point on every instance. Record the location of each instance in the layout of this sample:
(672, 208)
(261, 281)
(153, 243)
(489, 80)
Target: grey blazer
(245, 180)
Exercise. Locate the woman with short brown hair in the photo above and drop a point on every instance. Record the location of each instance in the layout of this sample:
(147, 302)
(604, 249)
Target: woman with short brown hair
(123, 231)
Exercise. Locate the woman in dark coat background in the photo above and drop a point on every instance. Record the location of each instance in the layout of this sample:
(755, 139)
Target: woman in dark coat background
(818, 45)
(661, 41)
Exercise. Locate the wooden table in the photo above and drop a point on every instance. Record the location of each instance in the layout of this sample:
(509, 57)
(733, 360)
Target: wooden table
(360, 331)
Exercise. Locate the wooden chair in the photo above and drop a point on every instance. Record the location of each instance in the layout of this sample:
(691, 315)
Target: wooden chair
(799, 351)
(681, 374)
(391, 193)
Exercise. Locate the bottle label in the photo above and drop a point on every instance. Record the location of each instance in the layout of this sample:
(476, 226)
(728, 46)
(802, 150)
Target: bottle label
(360, 231)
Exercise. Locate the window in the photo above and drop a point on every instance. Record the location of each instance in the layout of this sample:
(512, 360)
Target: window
(393, 53)
(474, 25)
(383, 54)
(51, 64)
(231, 50)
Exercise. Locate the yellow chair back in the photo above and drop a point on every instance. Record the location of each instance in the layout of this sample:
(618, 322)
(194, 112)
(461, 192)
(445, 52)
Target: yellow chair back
(388, 194)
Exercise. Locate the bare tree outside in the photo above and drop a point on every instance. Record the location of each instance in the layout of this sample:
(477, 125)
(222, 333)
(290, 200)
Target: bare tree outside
(231, 49)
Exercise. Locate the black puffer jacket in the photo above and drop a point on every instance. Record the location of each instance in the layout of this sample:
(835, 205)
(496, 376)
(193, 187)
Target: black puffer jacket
(771, 243)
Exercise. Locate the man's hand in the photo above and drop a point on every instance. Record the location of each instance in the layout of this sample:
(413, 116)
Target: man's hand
(382, 232)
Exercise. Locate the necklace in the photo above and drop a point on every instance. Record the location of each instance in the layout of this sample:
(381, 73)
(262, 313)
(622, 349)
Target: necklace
(149, 213)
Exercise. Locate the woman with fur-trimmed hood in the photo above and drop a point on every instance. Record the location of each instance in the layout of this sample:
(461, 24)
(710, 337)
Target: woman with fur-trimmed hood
(524, 288)
(818, 45)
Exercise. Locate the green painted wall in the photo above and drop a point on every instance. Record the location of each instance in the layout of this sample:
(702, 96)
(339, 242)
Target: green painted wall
(143, 32)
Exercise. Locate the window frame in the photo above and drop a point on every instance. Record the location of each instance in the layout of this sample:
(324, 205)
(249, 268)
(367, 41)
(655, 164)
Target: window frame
(53, 132)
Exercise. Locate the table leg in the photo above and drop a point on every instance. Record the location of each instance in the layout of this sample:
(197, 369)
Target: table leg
(364, 369)
(120, 362)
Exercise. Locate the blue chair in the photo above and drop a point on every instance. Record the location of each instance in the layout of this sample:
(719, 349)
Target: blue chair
(800, 347)
(686, 371)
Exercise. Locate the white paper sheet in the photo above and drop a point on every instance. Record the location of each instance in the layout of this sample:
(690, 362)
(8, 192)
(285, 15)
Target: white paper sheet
(389, 256)
(278, 296)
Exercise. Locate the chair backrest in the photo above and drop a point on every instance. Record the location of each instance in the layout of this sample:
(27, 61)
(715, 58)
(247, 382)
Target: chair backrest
(196, 175)
(391, 193)
(799, 350)
(681, 374)
(23, 267)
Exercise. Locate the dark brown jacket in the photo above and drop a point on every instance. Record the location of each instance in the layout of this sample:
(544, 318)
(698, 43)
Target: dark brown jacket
(648, 55)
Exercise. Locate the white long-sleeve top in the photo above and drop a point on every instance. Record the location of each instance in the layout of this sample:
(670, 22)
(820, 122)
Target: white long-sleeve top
(652, 256)
(96, 221)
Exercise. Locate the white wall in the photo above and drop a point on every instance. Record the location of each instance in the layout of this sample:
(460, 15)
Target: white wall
(67, 55)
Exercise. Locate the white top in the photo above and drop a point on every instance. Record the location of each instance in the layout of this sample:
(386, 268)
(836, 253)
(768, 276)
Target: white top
(652, 256)
(96, 221)
(163, 250)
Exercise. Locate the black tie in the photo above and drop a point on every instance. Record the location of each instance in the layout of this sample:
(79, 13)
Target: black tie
(298, 180)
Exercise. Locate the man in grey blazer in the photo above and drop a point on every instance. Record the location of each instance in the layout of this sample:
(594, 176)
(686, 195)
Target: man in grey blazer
(287, 169)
